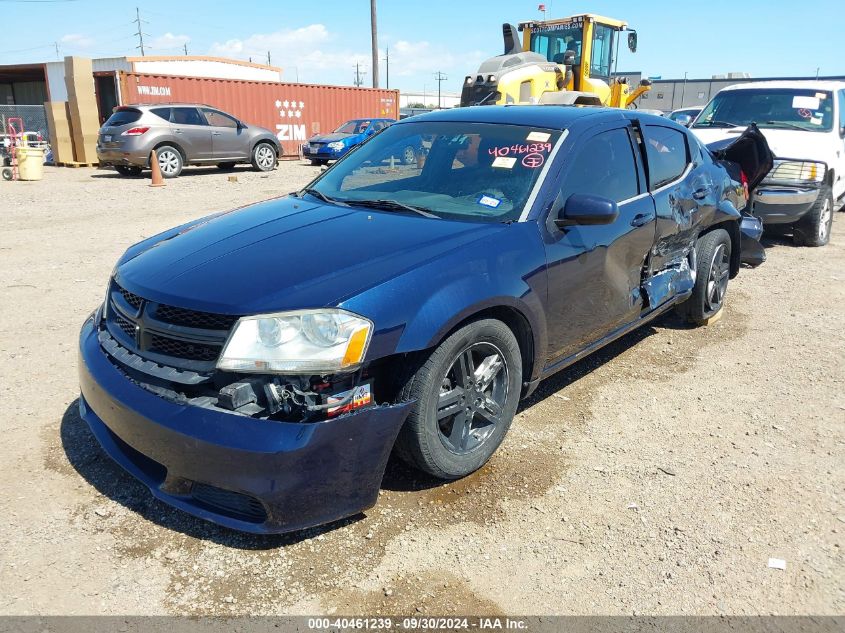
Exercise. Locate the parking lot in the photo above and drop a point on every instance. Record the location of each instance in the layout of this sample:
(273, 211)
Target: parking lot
(658, 476)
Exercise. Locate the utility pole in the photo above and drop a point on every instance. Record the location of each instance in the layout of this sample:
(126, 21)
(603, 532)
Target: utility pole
(57, 51)
(185, 47)
(683, 91)
(387, 66)
(374, 43)
(359, 75)
(140, 32)
(268, 58)
(440, 78)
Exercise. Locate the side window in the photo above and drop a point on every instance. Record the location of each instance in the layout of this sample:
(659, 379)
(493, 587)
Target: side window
(163, 113)
(667, 154)
(601, 55)
(187, 116)
(218, 119)
(841, 94)
(362, 127)
(605, 167)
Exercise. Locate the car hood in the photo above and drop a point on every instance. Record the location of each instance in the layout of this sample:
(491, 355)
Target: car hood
(783, 143)
(330, 138)
(287, 254)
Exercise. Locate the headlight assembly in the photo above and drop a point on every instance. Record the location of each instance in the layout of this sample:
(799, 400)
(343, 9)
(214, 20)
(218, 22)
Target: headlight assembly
(336, 145)
(323, 341)
(797, 171)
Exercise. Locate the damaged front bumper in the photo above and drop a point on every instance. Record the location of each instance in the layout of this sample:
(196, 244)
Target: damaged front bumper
(254, 475)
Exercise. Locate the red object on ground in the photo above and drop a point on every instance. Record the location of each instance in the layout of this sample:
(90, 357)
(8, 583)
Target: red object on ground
(294, 112)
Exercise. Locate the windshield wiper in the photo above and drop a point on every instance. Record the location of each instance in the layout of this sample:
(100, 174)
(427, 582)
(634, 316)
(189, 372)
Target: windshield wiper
(394, 205)
(322, 196)
(716, 124)
(786, 124)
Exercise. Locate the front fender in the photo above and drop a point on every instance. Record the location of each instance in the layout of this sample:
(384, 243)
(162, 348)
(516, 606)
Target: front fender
(416, 310)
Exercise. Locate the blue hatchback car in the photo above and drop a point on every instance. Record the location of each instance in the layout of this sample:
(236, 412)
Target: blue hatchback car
(258, 367)
(322, 148)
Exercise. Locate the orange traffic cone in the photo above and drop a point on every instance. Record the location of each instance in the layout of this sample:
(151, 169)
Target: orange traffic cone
(158, 181)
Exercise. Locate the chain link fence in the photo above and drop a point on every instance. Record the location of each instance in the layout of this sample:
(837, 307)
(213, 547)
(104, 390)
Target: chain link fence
(34, 118)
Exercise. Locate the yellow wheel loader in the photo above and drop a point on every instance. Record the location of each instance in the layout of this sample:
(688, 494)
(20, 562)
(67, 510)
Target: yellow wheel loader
(565, 61)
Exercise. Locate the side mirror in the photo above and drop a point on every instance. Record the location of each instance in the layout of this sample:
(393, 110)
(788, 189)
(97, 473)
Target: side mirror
(569, 58)
(632, 41)
(586, 209)
(683, 119)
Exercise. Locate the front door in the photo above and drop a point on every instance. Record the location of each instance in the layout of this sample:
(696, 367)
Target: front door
(595, 272)
(228, 139)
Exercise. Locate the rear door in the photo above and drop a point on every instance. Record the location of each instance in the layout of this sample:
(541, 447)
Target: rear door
(228, 139)
(191, 132)
(595, 272)
(677, 192)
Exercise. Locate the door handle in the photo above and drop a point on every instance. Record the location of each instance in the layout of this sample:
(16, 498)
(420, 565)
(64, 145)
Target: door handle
(216, 133)
(641, 219)
(177, 131)
(701, 193)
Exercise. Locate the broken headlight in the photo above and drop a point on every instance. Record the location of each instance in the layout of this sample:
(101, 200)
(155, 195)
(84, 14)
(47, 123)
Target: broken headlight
(324, 341)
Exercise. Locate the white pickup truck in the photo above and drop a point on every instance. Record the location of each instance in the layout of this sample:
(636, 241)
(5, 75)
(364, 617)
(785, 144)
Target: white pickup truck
(804, 124)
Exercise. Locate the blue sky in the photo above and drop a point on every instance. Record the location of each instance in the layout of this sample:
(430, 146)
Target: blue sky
(319, 42)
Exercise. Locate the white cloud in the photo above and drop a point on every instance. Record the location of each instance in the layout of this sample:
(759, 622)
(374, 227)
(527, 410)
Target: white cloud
(169, 41)
(320, 56)
(75, 40)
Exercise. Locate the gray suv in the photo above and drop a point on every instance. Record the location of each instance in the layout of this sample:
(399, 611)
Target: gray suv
(182, 134)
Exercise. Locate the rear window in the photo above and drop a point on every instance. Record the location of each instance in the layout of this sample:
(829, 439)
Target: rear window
(163, 113)
(667, 154)
(123, 117)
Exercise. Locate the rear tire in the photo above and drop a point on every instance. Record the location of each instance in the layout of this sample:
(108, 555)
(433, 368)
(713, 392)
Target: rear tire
(169, 161)
(712, 273)
(814, 228)
(130, 171)
(264, 157)
(7, 173)
(466, 395)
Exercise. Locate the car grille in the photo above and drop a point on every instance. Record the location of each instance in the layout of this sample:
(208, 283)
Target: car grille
(166, 334)
(233, 504)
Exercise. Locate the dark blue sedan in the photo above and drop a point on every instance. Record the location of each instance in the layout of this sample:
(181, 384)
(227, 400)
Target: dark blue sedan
(256, 368)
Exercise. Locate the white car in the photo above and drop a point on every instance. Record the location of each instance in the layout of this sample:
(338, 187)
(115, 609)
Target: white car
(804, 124)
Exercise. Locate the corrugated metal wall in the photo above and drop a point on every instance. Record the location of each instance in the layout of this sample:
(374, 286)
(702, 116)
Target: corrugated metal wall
(293, 111)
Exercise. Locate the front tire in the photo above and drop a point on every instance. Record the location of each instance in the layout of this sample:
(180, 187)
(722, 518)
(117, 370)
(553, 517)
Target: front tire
(169, 161)
(467, 393)
(814, 228)
(713, 271)
(264, 157)
(409, 156)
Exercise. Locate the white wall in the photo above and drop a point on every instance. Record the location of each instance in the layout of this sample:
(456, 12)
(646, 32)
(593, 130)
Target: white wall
(206, 68)
(56, 74)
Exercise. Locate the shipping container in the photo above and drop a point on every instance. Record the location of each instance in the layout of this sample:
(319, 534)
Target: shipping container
(294, 112)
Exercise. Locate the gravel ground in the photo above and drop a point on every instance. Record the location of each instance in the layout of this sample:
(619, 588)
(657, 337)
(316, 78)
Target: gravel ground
(657, 477)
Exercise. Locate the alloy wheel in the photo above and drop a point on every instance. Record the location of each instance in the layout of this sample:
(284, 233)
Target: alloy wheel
(717, 279)
(825, 220)
(168, 162)
(472, 397)
(264, 157)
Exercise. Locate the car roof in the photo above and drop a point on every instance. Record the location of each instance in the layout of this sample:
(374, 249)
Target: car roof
(552, 117)
(807, 84)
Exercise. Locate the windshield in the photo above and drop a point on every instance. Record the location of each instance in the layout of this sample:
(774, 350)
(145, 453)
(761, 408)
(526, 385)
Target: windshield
(554, 40)
(787, 108)
(465, 171)
(353, 127)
